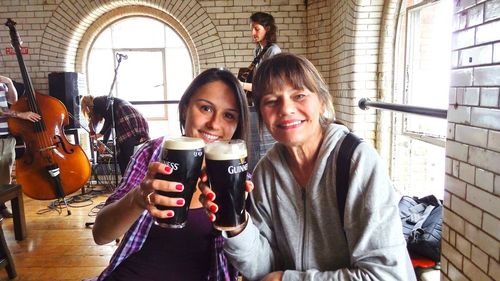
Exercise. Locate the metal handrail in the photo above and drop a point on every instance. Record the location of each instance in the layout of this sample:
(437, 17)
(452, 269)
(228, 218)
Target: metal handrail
(142, 102)
(365, 103)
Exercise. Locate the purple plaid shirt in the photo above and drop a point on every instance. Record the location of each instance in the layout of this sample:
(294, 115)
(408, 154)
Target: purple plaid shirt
(220, 269)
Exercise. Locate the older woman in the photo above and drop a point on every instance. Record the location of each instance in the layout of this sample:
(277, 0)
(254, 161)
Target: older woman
(294, 231)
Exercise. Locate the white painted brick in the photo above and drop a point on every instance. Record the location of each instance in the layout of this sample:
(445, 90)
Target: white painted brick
(485, 159)
(450, 131)
(492, 11)
(463, 5)
(494, 269)
(455, 274)
(461, 77)
(463, 246)
(497, 185)
(452, 96)
(464, 38)
(459, 114)
(457, 150)
(491, 225)
(456, 168)
(489, 97)
(488, 32)
(469, 212)
(471, 135)
(484, 179)
(479, 258)
(455, 186)
(475, 15)
(453, 221)
(451, 254)
(487, 201)
(486, 117)
(487, 75)
(448, 166)
(496, 52)
(471, 96)
(474, 272)
(476, 56)
(466, 172)
(485, 242)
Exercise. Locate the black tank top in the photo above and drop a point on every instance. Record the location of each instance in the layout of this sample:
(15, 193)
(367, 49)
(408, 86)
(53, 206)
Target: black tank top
(171, 254)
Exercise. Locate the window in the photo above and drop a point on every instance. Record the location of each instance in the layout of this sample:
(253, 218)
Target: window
(423, 51)
(157, 67)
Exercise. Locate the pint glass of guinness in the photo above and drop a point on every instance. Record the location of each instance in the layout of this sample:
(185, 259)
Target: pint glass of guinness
(226, 163)
(185, 156)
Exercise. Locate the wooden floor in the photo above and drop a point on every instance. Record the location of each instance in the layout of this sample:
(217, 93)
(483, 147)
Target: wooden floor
(57, 247)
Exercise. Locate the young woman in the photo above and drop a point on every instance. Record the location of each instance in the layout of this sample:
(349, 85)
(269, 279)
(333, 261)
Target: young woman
(295, 230)
(212, 108)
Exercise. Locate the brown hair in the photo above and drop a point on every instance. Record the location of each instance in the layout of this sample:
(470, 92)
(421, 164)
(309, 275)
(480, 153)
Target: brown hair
(266, 20)
(228, 78)
(296, 71)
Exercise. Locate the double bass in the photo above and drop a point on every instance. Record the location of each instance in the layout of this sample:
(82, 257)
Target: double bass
(50, 167)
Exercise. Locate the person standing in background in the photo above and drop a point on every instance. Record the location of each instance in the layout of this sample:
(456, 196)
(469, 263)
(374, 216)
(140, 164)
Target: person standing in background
(130, 126)
(8, 95)
(264, 34)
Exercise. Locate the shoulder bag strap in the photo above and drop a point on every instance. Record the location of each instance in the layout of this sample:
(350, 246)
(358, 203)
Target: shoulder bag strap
(346, 150)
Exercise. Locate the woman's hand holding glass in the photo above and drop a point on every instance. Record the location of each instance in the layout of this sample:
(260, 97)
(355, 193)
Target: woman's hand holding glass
(148, 198)
(208, 196)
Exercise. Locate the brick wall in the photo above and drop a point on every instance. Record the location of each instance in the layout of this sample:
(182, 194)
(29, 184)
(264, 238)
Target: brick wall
(471, 233)
(343, 42)
(350, 41)
(59, 33)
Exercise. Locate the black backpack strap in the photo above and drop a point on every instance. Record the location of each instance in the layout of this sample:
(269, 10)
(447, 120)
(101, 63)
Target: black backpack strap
(346, 150)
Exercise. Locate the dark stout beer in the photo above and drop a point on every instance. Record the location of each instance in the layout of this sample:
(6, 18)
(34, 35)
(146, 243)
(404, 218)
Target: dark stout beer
(185, 156)
(227, 167)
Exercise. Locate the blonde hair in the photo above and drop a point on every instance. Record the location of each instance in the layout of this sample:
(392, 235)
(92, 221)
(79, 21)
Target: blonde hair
(87, 106)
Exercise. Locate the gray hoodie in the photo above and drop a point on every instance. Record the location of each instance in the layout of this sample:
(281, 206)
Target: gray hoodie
(297, 229)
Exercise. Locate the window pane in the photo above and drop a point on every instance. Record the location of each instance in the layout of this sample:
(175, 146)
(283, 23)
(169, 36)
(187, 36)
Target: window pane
(179, 72)
(158, 67)
(138, 32)
(428, 49)
(100, 71)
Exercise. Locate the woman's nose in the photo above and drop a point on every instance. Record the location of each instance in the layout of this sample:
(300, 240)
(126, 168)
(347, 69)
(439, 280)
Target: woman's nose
(287, 106)
(214, 122)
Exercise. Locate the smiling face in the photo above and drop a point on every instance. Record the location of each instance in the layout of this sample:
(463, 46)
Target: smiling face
(292, 116)
(212, 113)
(258, 33)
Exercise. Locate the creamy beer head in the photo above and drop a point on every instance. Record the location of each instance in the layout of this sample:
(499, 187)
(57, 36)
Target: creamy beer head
(183, 143)
(226, 150)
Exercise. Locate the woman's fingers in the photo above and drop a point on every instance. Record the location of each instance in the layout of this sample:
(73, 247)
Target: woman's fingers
(156, 191)
(207, 197)
(249, 186)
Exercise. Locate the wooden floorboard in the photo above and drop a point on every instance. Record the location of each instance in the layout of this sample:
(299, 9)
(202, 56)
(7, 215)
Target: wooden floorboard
(58, 247)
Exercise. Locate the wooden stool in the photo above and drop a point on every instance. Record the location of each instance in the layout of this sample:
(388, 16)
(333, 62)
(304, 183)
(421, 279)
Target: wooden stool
(13, 192)
(5, 256)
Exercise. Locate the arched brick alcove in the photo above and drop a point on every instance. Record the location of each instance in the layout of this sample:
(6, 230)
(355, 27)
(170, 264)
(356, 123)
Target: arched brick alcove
(74, 25)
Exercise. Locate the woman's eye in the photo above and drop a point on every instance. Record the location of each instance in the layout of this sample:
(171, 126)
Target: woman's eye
(300, 96)
(230, 116)
(269, 102)
(206, 108)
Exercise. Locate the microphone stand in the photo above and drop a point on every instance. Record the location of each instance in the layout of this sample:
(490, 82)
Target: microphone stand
(110, 104)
